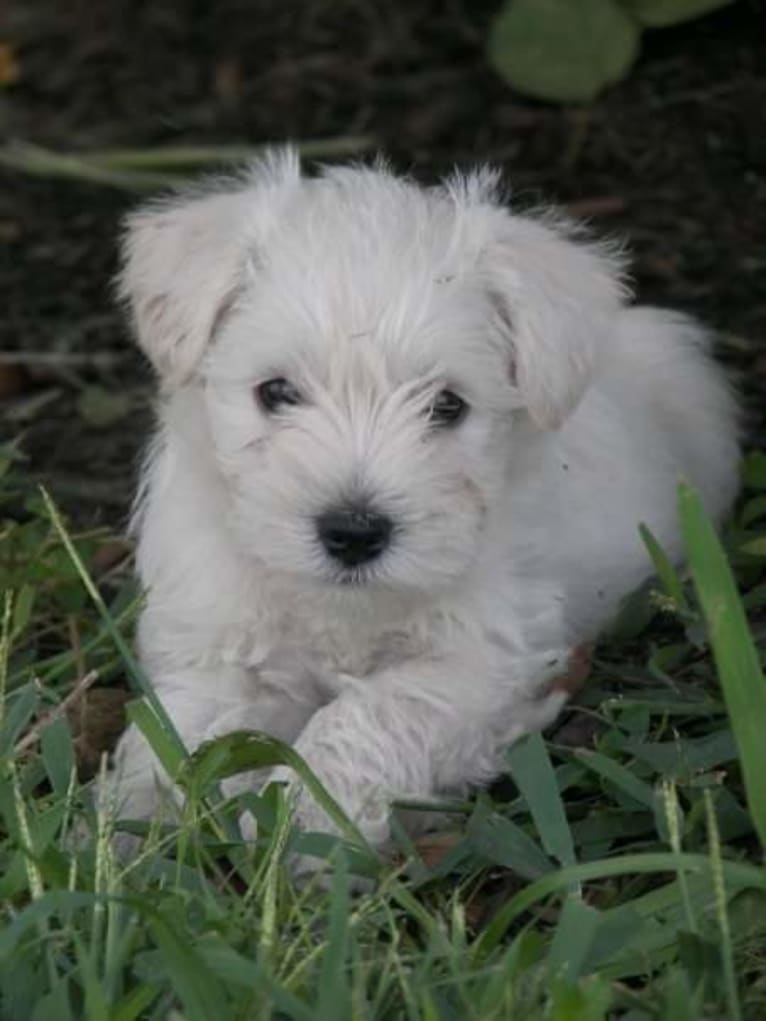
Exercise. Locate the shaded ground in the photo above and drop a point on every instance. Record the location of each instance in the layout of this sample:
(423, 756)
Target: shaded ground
(674, 159)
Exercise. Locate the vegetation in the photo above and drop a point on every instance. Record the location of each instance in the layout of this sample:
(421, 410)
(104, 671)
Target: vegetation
(618, 873)
(569, 50)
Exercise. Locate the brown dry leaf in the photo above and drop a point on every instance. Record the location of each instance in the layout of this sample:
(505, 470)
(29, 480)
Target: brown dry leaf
(12, 381)
(10, 69)
(578, 670)
(10, 230)
(108, 554)
(227, 80)
(97, 720)
(434, 846)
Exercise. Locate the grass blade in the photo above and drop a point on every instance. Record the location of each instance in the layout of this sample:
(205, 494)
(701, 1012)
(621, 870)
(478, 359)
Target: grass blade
(666, 572)
(242, 751)
(736, 656)
(199, 990)
(334, 993)
(738, 876)
(138, 679)
(575, 932)
(727, 955)
(532, 772)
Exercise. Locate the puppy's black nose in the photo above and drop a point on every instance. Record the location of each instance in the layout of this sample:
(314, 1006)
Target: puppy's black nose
(354, 535)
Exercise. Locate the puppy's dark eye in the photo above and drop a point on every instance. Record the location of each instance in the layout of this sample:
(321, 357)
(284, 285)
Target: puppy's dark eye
(447, 409)
(275, 393)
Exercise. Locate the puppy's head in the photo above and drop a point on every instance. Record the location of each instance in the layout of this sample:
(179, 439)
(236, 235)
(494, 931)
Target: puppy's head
(364, 347)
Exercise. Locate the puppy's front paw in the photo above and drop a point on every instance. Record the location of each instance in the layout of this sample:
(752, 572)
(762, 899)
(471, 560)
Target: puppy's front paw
(310, 817)
(366, 807)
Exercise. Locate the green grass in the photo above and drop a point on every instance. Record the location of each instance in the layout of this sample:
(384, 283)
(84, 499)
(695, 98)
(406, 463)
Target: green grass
(623, 878)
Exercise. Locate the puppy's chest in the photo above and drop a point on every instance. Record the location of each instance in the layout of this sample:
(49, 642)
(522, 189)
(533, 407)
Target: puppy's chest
(339, 638)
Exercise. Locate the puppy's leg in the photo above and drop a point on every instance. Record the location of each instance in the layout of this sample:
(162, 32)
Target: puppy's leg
(203, 704)
(425, 727)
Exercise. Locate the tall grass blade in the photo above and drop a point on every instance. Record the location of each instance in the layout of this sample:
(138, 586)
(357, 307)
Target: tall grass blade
(727, 954)
(736, 656)
(334, 993)
(738, 876)
(531, 769)
(666, 572)
(575, 932)
(138, 679)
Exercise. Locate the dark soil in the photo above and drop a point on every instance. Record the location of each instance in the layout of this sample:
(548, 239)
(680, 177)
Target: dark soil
(673, 159)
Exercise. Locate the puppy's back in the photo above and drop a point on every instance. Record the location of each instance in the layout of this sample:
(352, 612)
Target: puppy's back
(664, 358)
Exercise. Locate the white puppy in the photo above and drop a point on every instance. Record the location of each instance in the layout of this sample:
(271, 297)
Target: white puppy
(405, 439)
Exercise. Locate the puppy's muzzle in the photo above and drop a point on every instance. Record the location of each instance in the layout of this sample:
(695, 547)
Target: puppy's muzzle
(354, 535)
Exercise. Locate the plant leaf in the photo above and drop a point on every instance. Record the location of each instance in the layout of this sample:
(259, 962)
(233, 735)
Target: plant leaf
(244, 750)
(754, 470)
(531, 769)
(575, 932)
(738, 877)
(657, 13)
(500, 841)
(562, 50)
(736, 656)
(100, 408)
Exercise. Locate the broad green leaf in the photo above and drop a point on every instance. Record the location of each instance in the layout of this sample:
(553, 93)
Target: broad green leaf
(737, 660)
(738, 877)
(563, 50)
(530, 766)
(575, 932)
(619, 775)
(58, 754)
(665, 571)
(203, 996)
(242, 751)
(658, 13)
(502, 842)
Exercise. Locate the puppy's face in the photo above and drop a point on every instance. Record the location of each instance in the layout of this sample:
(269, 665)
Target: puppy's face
(364, 347)
(360, 445)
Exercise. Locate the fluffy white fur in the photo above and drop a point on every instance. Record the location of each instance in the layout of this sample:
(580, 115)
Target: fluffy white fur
(515, 530)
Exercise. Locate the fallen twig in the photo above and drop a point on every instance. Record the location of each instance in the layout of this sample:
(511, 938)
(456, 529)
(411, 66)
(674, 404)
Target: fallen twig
(62, 359)
(599, 205)
(77, 692)
(39, 162)
(192, 156)
(152, 169)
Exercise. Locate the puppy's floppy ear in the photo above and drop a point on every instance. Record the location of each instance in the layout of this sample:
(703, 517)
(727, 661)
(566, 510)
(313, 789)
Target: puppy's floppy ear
(557, 299)
(184, 260)
(182, 263)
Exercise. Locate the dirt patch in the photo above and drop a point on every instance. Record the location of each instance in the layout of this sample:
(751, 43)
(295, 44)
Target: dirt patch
(674, 160)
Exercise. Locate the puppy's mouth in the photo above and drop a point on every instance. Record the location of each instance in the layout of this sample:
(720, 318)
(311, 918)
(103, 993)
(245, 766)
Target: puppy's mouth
(355, 577)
